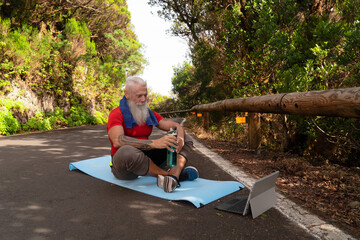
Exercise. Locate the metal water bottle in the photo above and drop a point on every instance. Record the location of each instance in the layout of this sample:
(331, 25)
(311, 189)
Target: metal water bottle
(171, 156)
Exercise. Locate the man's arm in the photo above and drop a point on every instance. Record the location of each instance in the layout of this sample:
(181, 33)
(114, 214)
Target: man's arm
(118, 138)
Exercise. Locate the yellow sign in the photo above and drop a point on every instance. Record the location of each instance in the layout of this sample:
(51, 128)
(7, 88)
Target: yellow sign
(199, 115)
(240, 119)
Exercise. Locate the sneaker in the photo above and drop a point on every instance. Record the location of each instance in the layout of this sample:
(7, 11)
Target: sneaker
(188, 174)
(167, 183)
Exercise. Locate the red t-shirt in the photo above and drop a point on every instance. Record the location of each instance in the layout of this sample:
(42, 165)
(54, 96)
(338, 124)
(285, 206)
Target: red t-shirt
(140, 132)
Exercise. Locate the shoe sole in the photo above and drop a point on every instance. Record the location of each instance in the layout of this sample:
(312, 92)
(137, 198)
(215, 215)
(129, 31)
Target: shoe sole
(167, 183)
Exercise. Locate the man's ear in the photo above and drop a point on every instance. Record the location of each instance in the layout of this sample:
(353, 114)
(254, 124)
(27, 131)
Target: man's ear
(127, 95)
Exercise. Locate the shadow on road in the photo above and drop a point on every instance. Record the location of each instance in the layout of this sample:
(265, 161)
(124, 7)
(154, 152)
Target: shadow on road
(41, 199)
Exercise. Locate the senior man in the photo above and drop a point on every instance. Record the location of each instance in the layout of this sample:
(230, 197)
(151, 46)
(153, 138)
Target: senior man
(133, 154)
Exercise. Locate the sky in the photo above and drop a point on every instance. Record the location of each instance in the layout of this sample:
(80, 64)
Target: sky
(162, 51)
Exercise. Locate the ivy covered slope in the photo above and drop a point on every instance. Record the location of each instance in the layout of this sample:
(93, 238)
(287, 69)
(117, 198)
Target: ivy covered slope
(62, 63)
(256, 47)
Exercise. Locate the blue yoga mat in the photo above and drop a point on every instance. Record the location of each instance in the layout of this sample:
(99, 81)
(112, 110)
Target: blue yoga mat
(199, 192)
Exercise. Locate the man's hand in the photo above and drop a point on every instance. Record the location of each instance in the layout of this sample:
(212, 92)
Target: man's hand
(166, 141)
(180, 143)
(166, 124)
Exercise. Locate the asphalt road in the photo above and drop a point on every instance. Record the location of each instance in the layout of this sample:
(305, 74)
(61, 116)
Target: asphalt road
(41, 199)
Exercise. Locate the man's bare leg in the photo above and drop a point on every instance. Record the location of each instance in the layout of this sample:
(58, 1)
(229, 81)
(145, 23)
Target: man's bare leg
(154, 170)
(180, 164)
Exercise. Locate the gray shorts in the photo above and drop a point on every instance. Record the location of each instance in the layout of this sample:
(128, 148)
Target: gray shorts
(129, 162)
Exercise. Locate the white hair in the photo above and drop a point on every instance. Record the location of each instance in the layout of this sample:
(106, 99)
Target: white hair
(130, 82)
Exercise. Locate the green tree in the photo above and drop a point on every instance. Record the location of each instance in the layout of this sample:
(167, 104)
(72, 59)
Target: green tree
(77, 52)
(256, 47)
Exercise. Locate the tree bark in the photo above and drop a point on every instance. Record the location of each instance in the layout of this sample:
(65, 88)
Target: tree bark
(333, 103)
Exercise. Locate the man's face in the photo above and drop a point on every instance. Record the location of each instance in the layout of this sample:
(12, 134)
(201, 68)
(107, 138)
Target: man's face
(138, 94)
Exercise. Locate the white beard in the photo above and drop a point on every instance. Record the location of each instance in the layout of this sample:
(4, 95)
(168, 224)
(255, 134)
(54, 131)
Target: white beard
(139, 112)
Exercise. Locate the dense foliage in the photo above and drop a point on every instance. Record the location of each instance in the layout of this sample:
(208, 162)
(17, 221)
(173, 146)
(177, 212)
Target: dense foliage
(77, 52)
(257, 47)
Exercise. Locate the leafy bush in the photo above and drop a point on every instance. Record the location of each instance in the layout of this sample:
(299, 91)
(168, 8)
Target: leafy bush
(8, 123)
(100, 118)
(79, 116)
(38, 123)
(57, 118)
(11, 105)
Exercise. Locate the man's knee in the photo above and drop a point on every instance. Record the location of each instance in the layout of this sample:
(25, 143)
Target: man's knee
(131, 159)
(187, 149)
(126, 153)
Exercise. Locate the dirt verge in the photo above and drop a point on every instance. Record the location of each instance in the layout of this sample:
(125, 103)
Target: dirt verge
(330, 191)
